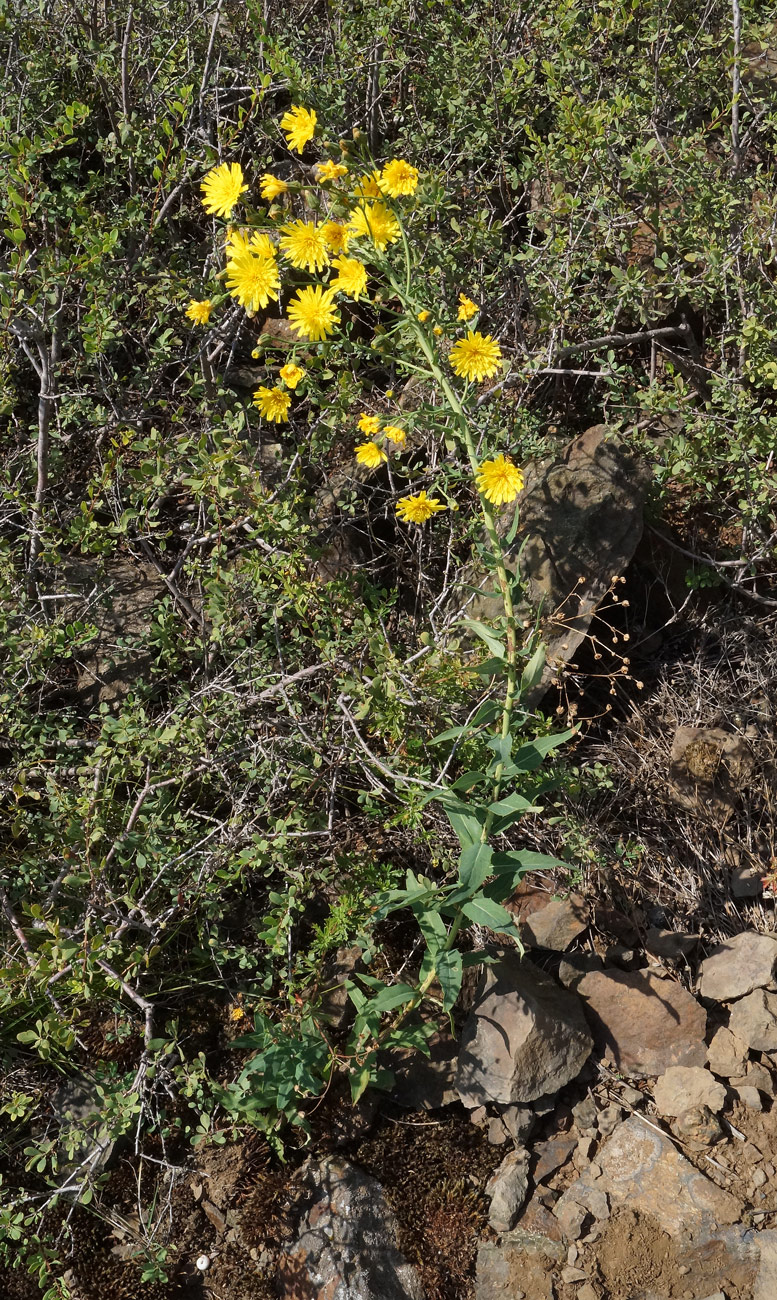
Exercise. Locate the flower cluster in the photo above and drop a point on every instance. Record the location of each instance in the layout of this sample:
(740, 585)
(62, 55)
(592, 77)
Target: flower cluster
(363, 221)
(369, 453)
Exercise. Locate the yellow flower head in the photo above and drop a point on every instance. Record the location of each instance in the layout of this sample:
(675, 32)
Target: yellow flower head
(351, 277)
(398, 178)
(299, 126)
(423, 316)
(368, 424)
(291, 374)
(417, 509)
(270, 187)
(467, 308)
(377, 222)
(244, 241)
(437, 330)
(304, 244)
(261, 243)
(478, 356)
(499, 480)
(394, 434)
(252, 279)
(222, 188)
(330, 171)
(272, 404)
(312, 314)
(199, 312)
(336, 236)
(368, 187)
(370, 455)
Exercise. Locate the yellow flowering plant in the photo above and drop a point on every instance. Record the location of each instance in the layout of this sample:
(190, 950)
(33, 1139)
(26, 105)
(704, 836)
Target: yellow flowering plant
(332, 255)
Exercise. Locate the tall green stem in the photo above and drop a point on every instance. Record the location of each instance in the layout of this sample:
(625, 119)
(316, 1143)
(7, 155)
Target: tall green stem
(511, 657)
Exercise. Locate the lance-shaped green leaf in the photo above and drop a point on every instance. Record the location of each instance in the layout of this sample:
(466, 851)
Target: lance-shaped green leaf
(484, 911)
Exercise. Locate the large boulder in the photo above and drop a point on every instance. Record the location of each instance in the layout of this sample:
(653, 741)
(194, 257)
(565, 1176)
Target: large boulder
(525, 1037)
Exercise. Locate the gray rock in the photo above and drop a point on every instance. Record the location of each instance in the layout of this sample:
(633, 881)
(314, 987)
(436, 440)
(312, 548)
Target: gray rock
(585, 1113)
(738, 966)
(584, 1199)
(519, 1121)
(750, 1097)
(507, 1272)
(642, 1169)
(726, 1054)
(682, 1087)
(346, 1243)
(644, 1024)
(552, 1155)
(497, 1131)
(757, 1076)
(508, 1189)
(580, 523)
(524, 1038)
(754, 1020)
(557, 925)
(766, 1280)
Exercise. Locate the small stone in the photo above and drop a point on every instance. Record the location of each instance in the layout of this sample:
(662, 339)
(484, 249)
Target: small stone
(585, 1113)
(682, 1087)
(738, 966)
(556, 925)
(519, 1121)
(573, 1275)
(745, 882)
(609, 1118)
(750, 1097)
(571, 1215)
(572, 1254)
(583, 1152)
(202, 1263)
(497, 1133)
(595, 1170)
(769, 1170)
(757, 1077)
(587, 1292)
(698, 1127)
(683, 1269)
(754, 1020)
(478, 1116)
(552, 1155)
(507, 1189)
(759, 1178)
(632, 1096)
(577, 1202)
(726, 1054)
